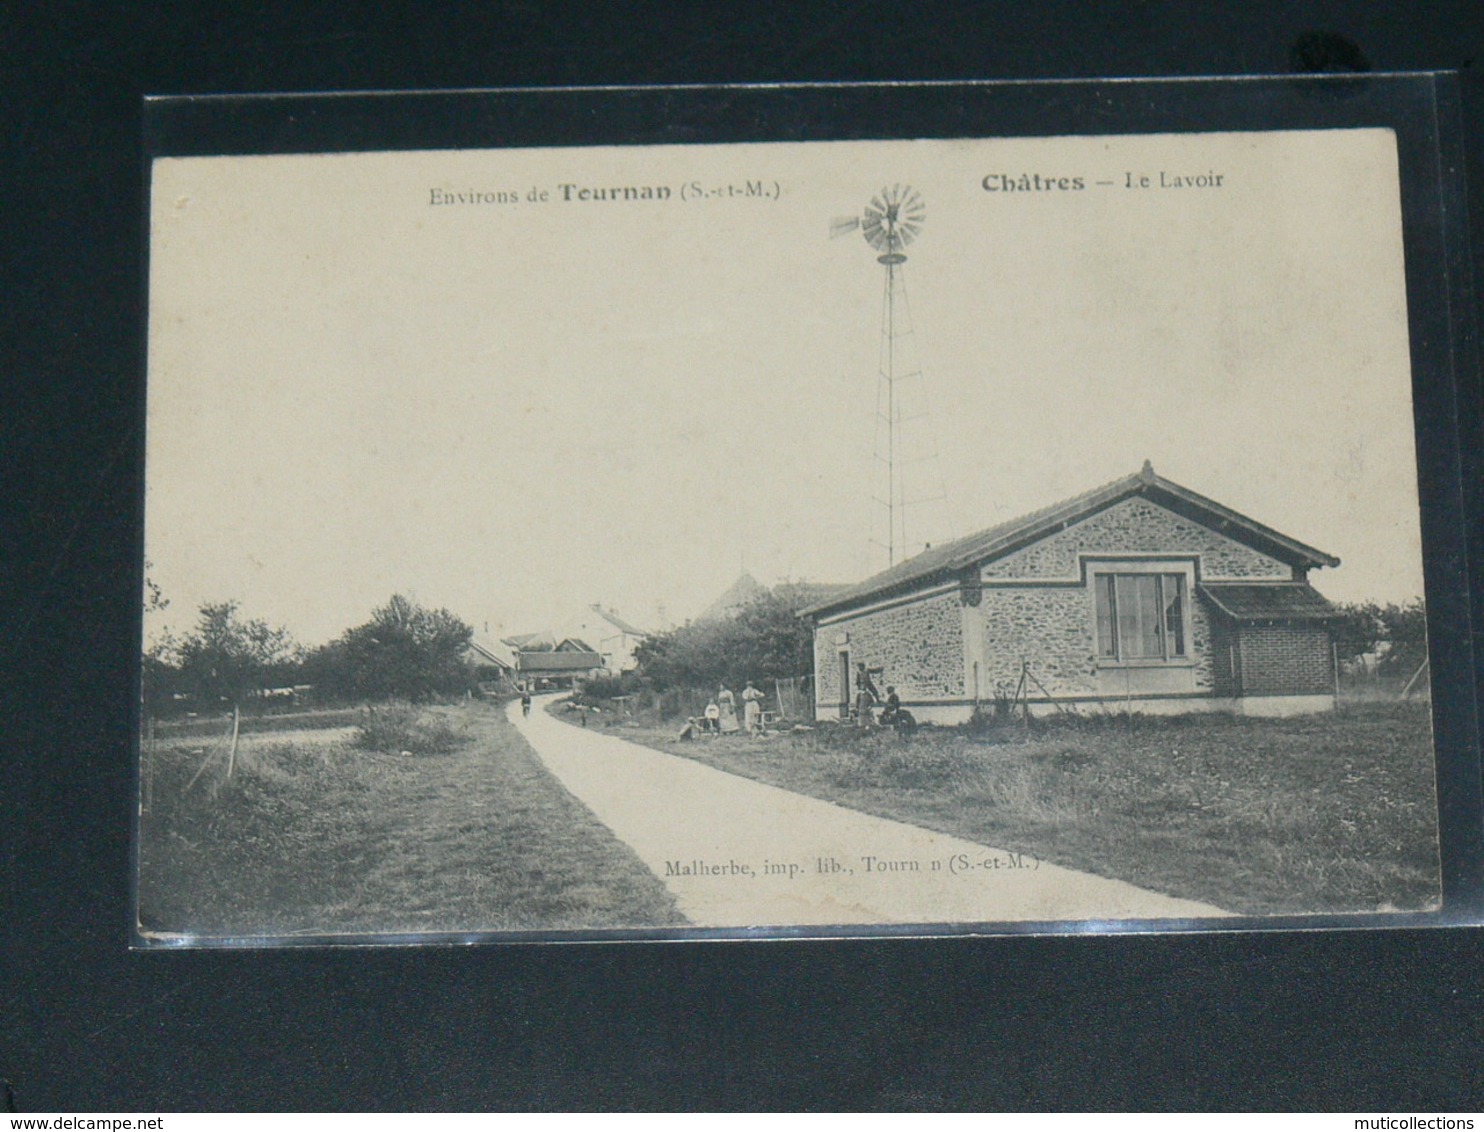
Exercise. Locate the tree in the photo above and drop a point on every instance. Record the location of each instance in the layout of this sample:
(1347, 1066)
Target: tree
(1405, 630)
(226, 658)
(157, 664)
(1357, 629)
(763, 640)
(155, 600)
(159, 673)
(1397, 633)
(404, 651)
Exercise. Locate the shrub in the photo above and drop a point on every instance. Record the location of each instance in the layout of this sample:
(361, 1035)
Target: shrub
(597, 690)
(394, 728)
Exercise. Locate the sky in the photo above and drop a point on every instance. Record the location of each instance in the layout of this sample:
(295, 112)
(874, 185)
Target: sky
(514, 407)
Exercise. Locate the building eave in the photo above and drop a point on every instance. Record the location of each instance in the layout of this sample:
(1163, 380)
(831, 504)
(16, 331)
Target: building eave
(958, 559)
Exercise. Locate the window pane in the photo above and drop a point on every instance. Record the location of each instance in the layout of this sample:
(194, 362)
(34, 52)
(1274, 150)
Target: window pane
(1139, 617)
(1174, 599)
(1107, 645)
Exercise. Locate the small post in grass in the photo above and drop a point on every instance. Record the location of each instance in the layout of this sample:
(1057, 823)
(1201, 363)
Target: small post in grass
(1023, 694)
(232, 752)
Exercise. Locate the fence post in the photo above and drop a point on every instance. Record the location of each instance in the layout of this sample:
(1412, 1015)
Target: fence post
(232, 754)
(1023, 695)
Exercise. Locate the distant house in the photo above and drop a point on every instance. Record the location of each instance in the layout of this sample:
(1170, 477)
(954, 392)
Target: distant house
(492, 672)
(1139, 595)
(543, 660)
(593, 641)
(615, 639)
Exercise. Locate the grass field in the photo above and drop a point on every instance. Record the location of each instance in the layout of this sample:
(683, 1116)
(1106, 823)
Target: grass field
(314, 833)
(212, 725)
(1318, 814)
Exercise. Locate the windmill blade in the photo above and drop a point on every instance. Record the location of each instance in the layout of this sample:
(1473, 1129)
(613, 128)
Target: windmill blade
(842, 225)
(911, 213)
(891, 220)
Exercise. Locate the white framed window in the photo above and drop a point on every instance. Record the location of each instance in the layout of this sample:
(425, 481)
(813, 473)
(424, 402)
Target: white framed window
(1142, 612)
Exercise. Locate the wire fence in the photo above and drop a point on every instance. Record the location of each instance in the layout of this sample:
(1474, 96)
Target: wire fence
(218, 750)
(796, 698)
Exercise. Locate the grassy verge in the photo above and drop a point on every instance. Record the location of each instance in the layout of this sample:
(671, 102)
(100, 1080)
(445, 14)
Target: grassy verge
(330, 836)
(1326, 813)
(212, 726)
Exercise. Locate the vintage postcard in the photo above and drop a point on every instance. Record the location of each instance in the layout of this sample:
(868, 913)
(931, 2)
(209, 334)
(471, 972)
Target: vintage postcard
(795, 537)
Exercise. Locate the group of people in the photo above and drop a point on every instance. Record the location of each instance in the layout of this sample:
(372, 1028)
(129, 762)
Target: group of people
(720, 717)
(867, 697)
(869, 709)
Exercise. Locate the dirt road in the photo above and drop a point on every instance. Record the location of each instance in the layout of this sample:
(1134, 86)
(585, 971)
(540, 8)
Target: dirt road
(739, 853)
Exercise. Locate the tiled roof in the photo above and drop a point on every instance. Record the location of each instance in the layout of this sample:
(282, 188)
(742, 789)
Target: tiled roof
(941, 562)
(531, 642)
(618, 622)
(486, 654)
(744, 590)
(1280, 601)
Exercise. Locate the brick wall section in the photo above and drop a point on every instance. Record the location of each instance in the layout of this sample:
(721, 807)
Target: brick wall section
(1286, 660)
(1136, 526)
(919, 647)
(1054, 629)
(1223, 656)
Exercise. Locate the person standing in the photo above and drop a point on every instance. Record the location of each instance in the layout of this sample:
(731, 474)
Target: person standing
(752, 709)
(866, 696)
(728, 705)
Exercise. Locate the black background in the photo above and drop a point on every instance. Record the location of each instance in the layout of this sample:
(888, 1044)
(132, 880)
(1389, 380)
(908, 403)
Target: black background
(1389, 1021)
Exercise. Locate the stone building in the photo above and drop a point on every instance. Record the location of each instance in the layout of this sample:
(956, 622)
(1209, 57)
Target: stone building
(1140, 595)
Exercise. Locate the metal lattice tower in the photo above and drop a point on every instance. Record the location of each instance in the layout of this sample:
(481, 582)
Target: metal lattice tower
(908, 483)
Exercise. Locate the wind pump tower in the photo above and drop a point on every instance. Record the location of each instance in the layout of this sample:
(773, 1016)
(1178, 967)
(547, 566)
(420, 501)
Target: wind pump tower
(908, 478)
